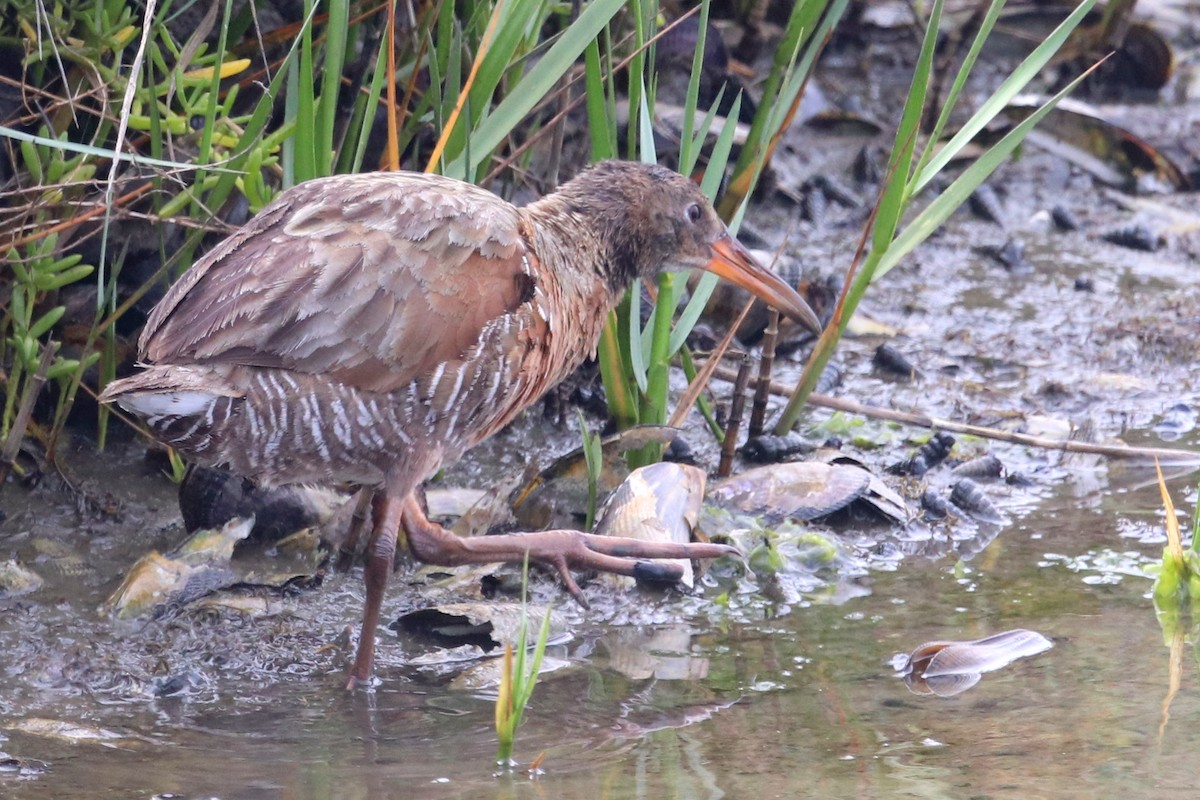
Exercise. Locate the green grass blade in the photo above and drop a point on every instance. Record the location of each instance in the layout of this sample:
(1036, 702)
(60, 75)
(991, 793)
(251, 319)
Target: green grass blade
(1196, 529)
(709, 185)
(537, 83)
(1000, 99)
(960, 80)
(645, 137)
(291, 110)
(603, 134)
(204, 154)
(336, 28)
(502, 58)
(305, 152)
(700, 135)
(617, 389)
(895, 194)
(801, 22)
(957, 193)
(637, 356)
(797, 73)
(659, 371)
(539, 652)
(370, 106)
(689, 150)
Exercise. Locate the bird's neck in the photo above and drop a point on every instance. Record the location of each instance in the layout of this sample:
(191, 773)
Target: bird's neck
(595, 232)
(574, 276)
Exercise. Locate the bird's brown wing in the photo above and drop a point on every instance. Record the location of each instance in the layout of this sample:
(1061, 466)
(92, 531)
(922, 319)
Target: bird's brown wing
(371, 280)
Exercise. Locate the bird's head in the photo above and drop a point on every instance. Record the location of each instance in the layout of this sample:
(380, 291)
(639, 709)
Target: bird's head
(650, 218)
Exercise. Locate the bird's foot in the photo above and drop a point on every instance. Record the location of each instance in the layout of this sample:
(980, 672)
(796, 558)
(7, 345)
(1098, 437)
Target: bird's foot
(564, 550)
(567, 550)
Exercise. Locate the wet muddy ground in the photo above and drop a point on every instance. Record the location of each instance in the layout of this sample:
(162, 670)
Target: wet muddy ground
(741, 690)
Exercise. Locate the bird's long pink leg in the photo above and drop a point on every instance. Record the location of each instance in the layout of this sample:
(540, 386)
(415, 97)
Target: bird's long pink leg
(562, 549)
(387, 512)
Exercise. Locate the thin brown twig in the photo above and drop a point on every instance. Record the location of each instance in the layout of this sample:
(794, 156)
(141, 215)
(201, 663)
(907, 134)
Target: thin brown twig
(393, 130)
(762, 384)
(1122, 451)
(485, 44)
(410, 88)
(736, 406)
(95, 211)
(55, 101)
(704, 375)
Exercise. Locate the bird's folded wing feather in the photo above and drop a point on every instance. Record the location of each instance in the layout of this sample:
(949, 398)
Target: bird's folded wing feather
(371, 280)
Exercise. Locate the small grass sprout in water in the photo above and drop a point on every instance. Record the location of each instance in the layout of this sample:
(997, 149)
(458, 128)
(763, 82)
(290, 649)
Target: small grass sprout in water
(518, 676)
(593, 457)
(1176, 587)
(1178, 580)
(178, 466)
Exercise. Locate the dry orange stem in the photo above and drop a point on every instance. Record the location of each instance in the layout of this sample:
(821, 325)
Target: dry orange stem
(484, 44)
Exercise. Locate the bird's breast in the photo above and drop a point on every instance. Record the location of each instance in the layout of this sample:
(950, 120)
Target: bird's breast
(519, 356)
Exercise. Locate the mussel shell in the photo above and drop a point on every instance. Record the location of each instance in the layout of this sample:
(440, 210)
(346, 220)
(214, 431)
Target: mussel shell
(942, 658)
(213, 545)
(485, 675)
(150, 582)
(769, 448)
(987, 466)
(971, 498)
(60, 557)
(564, 483)
(888, 358)
(71, 732)
(660, 503)
(987, 654)
(16, 579)
(192, 570)
(802, 490)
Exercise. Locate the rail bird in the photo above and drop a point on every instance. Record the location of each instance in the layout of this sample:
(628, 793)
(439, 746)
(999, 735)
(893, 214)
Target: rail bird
(368, 329)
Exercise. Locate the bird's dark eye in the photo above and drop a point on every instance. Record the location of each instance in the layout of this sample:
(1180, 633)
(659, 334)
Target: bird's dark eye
(693, 213)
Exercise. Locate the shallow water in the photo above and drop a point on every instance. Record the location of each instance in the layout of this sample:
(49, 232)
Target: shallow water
(803, 703)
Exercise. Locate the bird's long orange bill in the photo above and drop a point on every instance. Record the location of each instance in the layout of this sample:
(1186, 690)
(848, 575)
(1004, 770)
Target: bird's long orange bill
(734, 263)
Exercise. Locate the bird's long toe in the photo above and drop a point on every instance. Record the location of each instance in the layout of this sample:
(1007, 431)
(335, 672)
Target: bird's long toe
(567, 550)
(623, 547)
